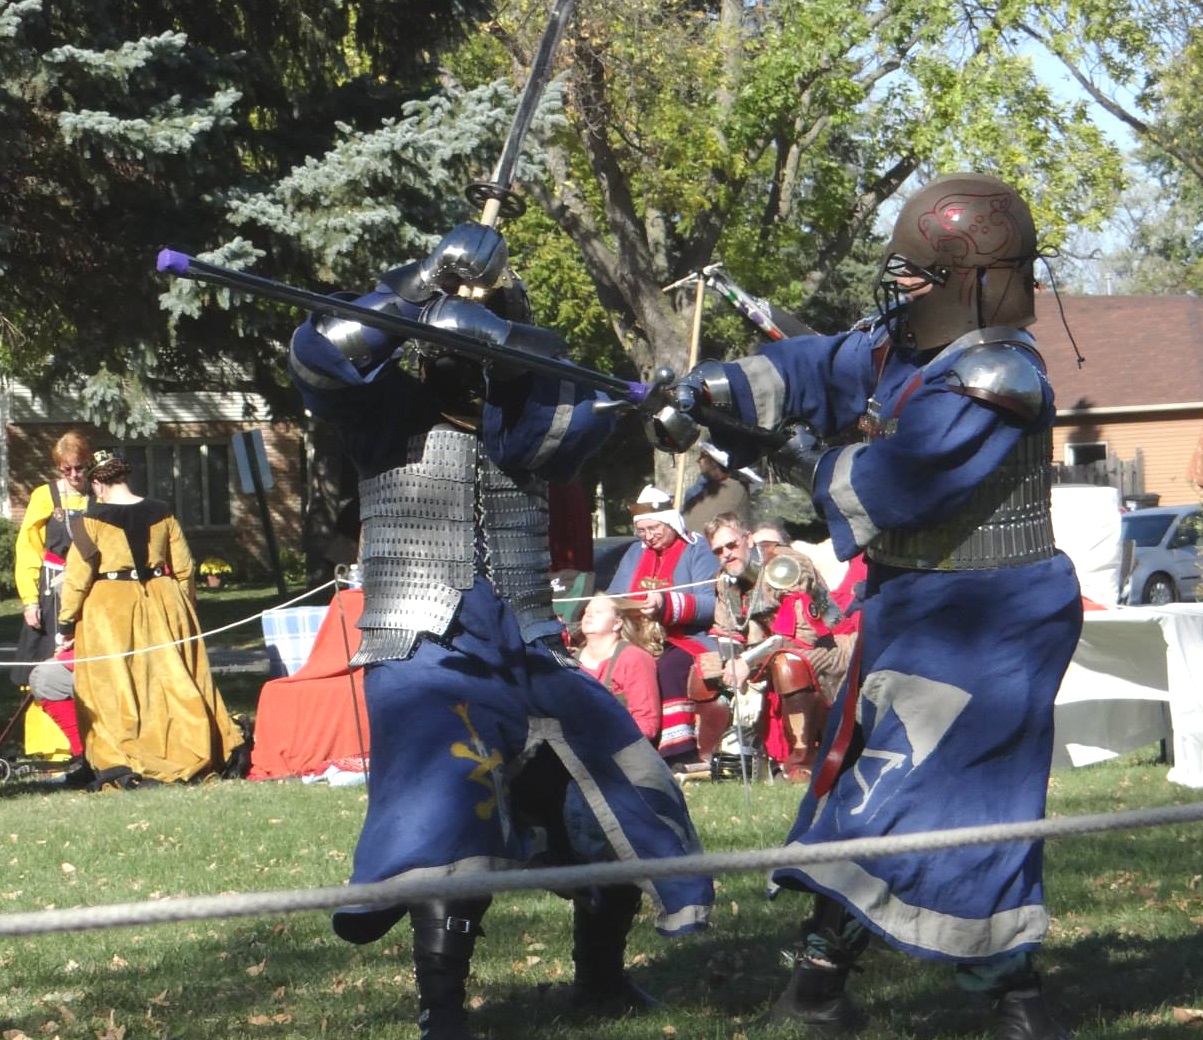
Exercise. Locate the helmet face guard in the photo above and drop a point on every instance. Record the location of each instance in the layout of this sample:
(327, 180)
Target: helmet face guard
(961, 257)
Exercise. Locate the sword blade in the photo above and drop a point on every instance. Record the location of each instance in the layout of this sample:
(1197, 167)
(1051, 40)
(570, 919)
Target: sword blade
(532, 93)
(499, 191)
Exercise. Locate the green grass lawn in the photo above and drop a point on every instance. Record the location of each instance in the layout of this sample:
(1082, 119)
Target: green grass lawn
(1124, 951)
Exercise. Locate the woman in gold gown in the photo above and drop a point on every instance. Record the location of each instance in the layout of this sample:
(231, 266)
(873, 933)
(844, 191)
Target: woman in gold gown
(148, 710)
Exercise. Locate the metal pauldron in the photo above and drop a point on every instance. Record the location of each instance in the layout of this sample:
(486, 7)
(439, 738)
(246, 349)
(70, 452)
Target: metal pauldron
(1006, 523)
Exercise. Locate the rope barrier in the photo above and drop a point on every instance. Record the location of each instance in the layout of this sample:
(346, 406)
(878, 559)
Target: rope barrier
(559, 879)
(288, 603)
(186, 639)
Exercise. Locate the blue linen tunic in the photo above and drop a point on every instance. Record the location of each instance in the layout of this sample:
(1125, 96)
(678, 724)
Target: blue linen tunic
(452, 724)
(959, 669)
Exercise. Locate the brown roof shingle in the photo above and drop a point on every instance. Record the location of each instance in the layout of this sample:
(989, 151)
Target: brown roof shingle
(1141, 351)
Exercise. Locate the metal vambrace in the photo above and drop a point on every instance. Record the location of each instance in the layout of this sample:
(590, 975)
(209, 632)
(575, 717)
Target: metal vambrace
(477, 321)
(704, 384)
(362, 345)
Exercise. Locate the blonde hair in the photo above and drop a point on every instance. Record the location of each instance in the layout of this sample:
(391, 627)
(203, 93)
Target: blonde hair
(644, 632)
(636, 628)
(71, 445)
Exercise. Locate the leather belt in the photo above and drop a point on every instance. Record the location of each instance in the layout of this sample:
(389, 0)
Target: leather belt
(135, 575)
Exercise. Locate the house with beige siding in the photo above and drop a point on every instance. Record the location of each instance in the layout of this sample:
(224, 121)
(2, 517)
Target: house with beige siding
(1135, 404)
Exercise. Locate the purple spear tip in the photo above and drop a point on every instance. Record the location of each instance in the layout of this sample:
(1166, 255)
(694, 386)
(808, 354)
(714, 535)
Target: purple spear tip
(173, 262)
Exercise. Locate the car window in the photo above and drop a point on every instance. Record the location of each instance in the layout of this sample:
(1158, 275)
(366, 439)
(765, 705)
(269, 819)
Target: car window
(1145, 531)
(1188, 531)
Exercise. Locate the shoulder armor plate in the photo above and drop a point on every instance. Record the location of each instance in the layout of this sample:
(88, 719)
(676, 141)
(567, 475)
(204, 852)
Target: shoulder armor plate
(1000, 366)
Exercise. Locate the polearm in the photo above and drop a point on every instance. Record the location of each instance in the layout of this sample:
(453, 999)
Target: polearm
(496, 198)
(183, 266)
(772, 322)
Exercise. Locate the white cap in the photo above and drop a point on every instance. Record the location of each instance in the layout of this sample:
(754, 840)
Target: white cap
(654, 504)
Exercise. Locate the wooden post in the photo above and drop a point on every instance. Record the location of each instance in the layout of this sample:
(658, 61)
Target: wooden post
(695, 338)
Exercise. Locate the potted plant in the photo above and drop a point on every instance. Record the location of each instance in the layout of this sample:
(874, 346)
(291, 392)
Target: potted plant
(215, 570)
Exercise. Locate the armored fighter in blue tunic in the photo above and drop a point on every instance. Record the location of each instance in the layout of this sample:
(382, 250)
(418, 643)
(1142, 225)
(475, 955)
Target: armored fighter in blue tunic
(489, 747)
(970, 615)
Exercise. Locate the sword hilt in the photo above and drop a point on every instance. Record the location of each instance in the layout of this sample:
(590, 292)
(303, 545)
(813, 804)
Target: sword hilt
(494, 201)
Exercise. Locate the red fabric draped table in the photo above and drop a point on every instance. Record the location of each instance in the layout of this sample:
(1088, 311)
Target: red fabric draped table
(315, 717)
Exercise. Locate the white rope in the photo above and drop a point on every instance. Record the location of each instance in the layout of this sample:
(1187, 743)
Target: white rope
(635, 593)
(288, 603)
(560, 879)
(186, 639)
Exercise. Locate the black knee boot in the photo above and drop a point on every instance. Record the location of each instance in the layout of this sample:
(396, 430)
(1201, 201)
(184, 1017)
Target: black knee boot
(600, 923)
(823, 957)
(444, 935)
(1022, 1015)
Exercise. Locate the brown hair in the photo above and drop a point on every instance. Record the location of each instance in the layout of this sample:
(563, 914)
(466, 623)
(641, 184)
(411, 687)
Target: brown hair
(72, 445)
(108, 468)
(730, 520)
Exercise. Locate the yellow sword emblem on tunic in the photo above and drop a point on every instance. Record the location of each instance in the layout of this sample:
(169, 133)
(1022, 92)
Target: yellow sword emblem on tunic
(486, 772)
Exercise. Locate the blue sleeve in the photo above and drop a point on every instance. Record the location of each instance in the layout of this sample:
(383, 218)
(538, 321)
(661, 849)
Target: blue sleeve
(624, 574)
(703, 566)
(377, 408)
(944, 446)
(825, 380)
(543, 425)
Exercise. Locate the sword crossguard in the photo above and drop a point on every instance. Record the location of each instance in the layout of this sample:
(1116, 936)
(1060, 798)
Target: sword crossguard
(479, 193)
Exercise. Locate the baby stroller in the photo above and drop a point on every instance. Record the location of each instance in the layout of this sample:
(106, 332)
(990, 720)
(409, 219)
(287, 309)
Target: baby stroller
(17, 761)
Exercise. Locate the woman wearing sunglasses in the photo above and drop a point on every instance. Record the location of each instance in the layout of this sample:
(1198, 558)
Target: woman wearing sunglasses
(41, 549)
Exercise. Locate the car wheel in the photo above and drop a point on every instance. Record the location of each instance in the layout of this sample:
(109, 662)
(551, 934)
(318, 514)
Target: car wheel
(1159, 590)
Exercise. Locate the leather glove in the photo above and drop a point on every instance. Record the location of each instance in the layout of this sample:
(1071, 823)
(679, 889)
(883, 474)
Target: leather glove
(797, 460)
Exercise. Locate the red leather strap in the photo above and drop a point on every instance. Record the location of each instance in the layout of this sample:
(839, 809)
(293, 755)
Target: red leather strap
(825, 776)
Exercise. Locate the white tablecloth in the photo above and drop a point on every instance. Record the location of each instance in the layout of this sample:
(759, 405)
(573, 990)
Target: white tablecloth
(1136, 677)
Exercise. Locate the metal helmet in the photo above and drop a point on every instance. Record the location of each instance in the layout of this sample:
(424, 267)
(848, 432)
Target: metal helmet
(971, 238)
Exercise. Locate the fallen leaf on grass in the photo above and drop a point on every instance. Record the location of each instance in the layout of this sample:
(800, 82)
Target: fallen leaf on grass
(14, 1034)
(112, 1031)
(257, 969)
(282, 1018)
(1188, 1016)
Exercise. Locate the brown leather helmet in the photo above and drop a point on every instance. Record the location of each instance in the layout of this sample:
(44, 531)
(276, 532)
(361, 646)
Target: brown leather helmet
(971, 237)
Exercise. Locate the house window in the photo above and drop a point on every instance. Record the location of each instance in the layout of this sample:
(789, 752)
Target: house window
(1084, 454)
(194, 479)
